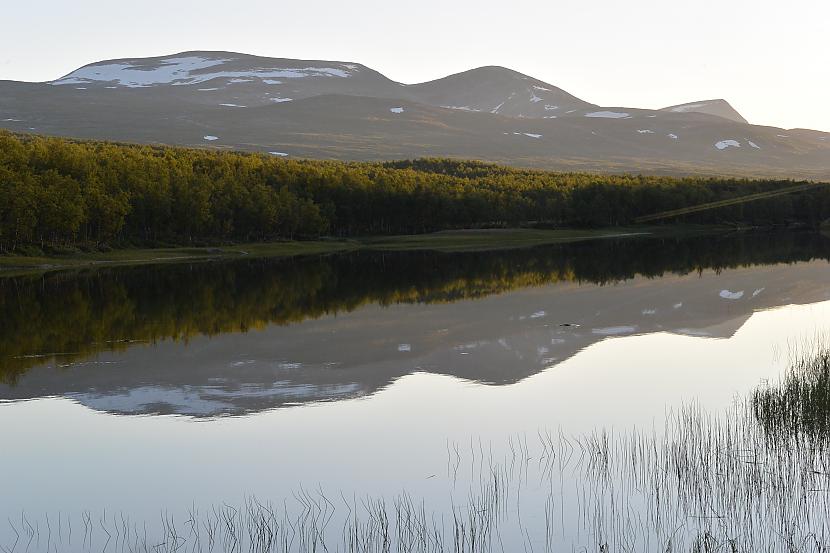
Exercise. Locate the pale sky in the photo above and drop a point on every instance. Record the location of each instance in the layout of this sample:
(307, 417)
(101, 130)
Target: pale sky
(769, 58)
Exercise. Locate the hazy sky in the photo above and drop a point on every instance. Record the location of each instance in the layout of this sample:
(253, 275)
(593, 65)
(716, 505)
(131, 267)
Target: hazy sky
(769, 58)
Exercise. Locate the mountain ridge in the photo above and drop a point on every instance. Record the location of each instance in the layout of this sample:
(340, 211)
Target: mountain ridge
(347, 69)
(344, 110)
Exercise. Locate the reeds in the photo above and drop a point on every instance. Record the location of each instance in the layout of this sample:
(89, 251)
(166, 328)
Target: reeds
(798, 405)
(753, 478)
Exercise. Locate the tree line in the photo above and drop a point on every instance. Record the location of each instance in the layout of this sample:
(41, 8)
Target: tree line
(61, 192)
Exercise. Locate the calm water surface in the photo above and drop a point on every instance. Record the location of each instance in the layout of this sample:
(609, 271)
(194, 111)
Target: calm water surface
(138, 391)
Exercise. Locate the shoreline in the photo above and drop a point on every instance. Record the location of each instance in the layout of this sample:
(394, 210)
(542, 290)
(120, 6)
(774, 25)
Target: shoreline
(449, 241)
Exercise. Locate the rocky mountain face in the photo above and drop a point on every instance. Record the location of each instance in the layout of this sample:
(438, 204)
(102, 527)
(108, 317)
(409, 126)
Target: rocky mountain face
(338, 110)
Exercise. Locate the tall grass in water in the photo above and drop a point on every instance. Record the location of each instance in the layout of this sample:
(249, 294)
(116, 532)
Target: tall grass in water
(799, 405)
(755, 478)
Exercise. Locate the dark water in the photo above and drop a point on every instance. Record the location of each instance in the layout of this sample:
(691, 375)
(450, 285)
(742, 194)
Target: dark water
(163, 387)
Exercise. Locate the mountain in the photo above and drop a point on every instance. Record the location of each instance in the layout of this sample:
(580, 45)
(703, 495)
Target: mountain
(497, 90)
(341, 110)
(720, 108)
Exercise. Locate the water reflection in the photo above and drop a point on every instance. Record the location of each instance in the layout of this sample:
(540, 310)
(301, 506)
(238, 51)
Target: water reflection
(234, 338)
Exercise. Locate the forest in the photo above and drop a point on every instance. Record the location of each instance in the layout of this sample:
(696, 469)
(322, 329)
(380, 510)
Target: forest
(58, 192)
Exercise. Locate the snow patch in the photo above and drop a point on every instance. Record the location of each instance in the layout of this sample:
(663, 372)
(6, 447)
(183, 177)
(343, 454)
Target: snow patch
(210, 137)
(534, 98)
(186, 70)
(672, 136)
(687, 108)
(137, 76)
(200, 89)
(271, 81)
(537, 87)
(281, 100)
(462, 108)
(404, 347)
(549, 107)
(531, 135)
(724, 144)
(396, 110)
(608, 114)
(693, 332)
(645, 131)
(727, 295)
(278, 154)
(758, 291)
(497, 108)
(232, 105)
(614, 330)
(754, 145)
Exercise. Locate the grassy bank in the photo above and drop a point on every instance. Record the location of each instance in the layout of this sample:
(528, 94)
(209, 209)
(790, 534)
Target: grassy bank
(445, 241)
(17, 264)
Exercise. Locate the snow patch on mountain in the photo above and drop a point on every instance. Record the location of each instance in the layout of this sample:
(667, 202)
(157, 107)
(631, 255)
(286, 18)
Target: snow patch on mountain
(687, 108)
(614, 330)
(724, 144)
(136, 76)
(396, 110)
(187, 70)
(608, 114)
(727, 295)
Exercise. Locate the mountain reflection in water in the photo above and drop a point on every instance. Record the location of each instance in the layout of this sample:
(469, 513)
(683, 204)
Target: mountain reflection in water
(209, 339)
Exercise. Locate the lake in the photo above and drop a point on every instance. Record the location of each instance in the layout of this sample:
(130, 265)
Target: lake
(417, 401)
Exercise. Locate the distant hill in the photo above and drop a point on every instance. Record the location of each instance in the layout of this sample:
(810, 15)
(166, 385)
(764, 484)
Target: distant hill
(340, 110)
(720, 108)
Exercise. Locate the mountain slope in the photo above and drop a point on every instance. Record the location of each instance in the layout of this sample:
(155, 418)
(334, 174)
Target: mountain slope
(339, 110)
(497, 90)
(719, 108)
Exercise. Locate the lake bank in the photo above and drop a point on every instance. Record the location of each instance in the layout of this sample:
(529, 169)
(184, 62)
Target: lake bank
(445, 241)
